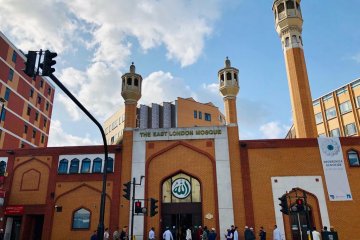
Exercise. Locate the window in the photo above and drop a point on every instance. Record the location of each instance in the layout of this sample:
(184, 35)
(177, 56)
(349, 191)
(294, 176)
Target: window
(85, 165)
(14, 56)
(322, 135)
(345, 107)
(355, 84)
(74, 166)
(31, 92)
(341, 91)
(129, 80)
(3, 115)
(39, 99)
(228, 76)
(294, 39)
(350, 129)
(290, 4)
(47, 106)
(327, 97)
(200, 115)
(353, 158)
(335, 132)
(195, 114)
(25, 128)
(330, 113)
(316, 102)
(11, 75)
(318, 118)
(97, 165)
(36, 116)
(2, 167)
(41, 83)
(42, 138)
(136, 82)
(28, 111)
(281, 8)
(112, 139)
(22, 145)
(7, 94)
(45, 121)
(63, 166)
(34, 134)
(110, 165)
(358, 101)
(81, 219)
(207, 117)
(287, 42)
(49, 91)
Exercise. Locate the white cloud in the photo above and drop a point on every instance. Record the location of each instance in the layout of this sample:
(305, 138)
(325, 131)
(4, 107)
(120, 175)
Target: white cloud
(212, 87)
(274, 130)
(356, 58)
(58, 137)
(163, 87)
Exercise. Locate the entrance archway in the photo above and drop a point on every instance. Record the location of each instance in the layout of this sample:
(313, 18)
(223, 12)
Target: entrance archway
(181, 205)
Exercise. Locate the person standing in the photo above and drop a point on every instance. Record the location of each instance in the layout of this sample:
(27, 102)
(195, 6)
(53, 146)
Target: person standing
(252, 234)
(236, 233)
(106, 234)
(199, 233)
(116, 234)
(94, 236)
(123, 234)
(205, 234)
(316, 234)
(229, 235)
(188, 234)
(152, 234)
(247, 233)
(262, 233)
(276, 233)
(212, 234)
(167, 234)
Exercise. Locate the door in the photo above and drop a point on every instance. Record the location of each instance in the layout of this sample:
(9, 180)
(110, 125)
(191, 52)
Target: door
(299, 226)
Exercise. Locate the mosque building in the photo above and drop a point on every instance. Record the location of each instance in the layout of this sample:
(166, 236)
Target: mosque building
(200, 176)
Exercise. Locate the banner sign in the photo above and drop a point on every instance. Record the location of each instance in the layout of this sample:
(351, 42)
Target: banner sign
(334, 169)
(14, 210)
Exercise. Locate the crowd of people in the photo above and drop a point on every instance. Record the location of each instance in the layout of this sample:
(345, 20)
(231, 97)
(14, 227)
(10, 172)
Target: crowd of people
(117, 235)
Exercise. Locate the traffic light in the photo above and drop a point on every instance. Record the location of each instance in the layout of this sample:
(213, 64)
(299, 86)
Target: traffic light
(127, 189)
(153, 207)
(284, 205)
(48, 62)
(138, 207)
(300, 204)
(30, 63)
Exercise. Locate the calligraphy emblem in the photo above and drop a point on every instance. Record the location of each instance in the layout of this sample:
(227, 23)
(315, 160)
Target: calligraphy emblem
(181, 188)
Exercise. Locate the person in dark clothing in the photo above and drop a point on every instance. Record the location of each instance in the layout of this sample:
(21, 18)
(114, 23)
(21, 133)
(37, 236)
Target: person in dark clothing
(212, 234)
(123, 234)
(252, 234)
(262, 233)
(247, 233)
(94, 236)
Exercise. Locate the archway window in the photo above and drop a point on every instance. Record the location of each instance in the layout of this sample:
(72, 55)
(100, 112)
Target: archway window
(136, 82)
(228, 76)
(129, 80)
(290, 4)
(181, 188)
(294, 39)
(110, 165)
(63, 166)
(74, 166)
(85, 165)
(81, 219)
(353, 158)
(222, 77)
(2, 168)
(97, 165)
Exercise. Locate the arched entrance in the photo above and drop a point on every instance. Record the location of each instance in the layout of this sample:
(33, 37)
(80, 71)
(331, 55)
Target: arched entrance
(181, 205)
(299, 225)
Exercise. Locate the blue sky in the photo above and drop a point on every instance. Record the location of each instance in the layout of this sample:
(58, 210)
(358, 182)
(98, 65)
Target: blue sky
(178, 46)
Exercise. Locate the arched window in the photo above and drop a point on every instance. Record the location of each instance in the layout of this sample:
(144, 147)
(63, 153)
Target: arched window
(290, 4)
(97, 165)
(287, 42)
(110, 165)
(129, 80)
(281, 8)
(235, 76)
(294, 39)
(74, 166)
(136, 82)
(222, 77)
(2, 168)
(181, 188)
(85, 165)
(228, 76)
(81, 219)
(353, 158)
(63, 166)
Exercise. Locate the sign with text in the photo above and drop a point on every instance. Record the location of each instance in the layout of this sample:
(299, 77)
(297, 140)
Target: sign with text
(14, 210)
(334, 169)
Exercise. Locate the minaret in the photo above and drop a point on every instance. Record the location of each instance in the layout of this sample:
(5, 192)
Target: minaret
(131, 92)
(229, 88)
(288, 23)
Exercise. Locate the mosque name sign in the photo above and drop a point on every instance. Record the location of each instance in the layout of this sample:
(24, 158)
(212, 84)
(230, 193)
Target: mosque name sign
(170, 133)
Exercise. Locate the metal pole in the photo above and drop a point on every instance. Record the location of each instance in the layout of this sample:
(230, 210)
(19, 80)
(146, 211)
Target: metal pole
(103, 191)
(132, 209)
(307, 216)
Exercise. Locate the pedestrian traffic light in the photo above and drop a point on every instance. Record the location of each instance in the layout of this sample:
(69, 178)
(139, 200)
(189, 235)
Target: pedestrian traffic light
(30, 63)
(138, 207)
(284, 204)
(127, 188)
(153, 207)
(300, 204)
(48, 62)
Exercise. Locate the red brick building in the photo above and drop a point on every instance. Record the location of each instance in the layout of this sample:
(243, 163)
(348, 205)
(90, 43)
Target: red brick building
(27, 103)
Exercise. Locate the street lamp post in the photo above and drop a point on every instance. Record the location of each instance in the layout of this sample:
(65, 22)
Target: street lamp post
(104, 176)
